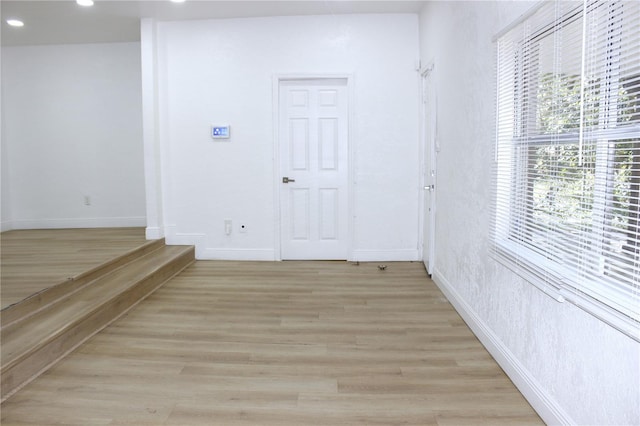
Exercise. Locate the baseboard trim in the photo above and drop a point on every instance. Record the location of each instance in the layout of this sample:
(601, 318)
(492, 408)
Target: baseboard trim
(207, 253)
(6, 226)
(385, 255)
(544, 404)
(237, 254)
(173, 238)
(89, 222)
(153, 233)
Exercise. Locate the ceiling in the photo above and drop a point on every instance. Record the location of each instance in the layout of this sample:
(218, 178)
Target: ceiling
(63, 22)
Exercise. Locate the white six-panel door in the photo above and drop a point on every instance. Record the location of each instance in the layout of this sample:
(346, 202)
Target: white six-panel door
(313, 132)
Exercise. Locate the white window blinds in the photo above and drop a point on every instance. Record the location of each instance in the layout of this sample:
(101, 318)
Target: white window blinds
(567, 170)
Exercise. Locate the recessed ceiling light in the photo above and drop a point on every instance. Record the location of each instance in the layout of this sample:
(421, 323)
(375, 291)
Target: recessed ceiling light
(15, 22)
(178, 1)
(85, 2)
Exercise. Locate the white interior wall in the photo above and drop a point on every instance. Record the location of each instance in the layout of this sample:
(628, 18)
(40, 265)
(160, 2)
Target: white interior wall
(72, 127)
(223, 71)
(572, 367)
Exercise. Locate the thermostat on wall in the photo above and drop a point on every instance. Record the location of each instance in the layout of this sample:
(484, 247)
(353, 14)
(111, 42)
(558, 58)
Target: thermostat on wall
(220, 132)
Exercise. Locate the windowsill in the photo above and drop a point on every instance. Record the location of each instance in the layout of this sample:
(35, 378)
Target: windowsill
(550, 278)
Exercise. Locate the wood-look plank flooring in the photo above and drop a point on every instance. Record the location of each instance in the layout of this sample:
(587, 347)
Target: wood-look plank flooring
(33, 260)
(280, 343)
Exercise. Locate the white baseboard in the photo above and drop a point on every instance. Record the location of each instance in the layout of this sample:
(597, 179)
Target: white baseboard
(385, 255)
(545, 405)
(153, 233)
(183, 239)
(206, 253)
(89, 222)
(6, 226)
(236, 254)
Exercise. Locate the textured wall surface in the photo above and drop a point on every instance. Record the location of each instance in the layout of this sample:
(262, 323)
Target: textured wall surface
(589, 371)
(72, 127)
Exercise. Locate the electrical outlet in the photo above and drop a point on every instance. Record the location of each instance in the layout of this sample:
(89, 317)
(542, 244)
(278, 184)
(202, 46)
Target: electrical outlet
(228, 226)
(87, 200)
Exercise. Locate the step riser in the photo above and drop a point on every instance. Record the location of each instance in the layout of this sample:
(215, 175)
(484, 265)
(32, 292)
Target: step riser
(28, 367)
(61, 291)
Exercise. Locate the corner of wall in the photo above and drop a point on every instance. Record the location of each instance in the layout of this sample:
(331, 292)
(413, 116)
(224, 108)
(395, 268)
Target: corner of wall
(154, 233)
(150, 131)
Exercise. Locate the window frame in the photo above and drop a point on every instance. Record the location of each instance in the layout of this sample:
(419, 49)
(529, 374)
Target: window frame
(519, 253)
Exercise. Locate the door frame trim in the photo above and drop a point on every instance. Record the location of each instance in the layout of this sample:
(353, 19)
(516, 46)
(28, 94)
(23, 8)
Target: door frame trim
(427, 143)
(275, 95)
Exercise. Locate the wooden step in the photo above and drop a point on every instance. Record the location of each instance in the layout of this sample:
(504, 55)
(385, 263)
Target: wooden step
(33, 343)
(58, 291)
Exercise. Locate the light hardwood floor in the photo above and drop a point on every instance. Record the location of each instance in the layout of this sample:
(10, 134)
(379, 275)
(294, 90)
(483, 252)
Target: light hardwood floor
(33, 260)
(281, 343)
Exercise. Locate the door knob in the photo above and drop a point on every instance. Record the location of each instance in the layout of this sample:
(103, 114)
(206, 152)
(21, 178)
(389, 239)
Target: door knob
(287, 180)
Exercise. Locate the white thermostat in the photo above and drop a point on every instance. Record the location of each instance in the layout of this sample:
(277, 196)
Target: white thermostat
(220, 132)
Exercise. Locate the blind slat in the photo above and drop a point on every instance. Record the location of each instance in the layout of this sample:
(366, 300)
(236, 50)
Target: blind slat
(567, 164)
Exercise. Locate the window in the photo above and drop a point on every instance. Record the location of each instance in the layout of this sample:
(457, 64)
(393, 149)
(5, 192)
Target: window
(567, 169)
